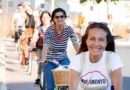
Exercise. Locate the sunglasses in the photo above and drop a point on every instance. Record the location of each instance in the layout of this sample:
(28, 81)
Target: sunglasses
(62, 16)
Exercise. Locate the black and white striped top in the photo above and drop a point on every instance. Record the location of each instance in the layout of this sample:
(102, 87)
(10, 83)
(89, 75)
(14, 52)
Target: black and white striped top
(57, 50)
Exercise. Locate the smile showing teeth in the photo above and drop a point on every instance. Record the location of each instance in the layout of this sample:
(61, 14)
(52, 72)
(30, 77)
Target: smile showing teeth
(96, 49)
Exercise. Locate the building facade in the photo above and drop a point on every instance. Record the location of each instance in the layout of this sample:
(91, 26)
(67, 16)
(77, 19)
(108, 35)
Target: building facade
(120, 11)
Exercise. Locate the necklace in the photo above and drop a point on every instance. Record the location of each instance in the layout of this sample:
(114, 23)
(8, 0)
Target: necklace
(59, 35)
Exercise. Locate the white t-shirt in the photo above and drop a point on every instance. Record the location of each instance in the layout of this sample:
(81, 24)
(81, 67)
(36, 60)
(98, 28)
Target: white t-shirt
(95, 75)
(18, 18)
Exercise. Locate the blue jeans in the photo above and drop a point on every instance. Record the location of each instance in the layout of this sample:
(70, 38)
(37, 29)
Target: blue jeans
(48, 75)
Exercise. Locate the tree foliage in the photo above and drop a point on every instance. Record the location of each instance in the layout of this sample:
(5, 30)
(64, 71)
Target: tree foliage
(97, 1)
(82, 1)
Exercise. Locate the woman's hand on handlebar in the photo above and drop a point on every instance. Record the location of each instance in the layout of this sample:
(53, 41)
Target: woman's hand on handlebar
(42, 61)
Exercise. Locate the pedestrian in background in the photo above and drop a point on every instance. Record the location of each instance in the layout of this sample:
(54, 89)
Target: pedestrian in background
(27, 34)
(37, 41)
(81, 21)
(110, 22)
(97, 66)
(55, 45)
(18, 23)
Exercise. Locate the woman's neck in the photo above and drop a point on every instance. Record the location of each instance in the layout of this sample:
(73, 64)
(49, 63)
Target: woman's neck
(94, 59)
(59, 28)
(46, 25)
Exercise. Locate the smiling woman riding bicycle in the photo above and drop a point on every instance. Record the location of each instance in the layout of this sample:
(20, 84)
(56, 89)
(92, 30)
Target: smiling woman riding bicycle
(55, 45)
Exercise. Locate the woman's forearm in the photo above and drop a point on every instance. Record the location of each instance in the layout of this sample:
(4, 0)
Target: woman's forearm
(44, 52)
(73, 80)
(76, 47)
(117, 79)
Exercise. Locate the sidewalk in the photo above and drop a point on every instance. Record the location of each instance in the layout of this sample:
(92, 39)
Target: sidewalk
(12, 77)
(2, 66)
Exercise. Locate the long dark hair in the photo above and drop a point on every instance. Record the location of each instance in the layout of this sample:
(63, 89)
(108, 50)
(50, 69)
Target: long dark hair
(110, 39)
(42, 13)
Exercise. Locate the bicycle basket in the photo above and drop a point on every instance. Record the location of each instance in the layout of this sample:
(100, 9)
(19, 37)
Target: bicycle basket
(61, 76)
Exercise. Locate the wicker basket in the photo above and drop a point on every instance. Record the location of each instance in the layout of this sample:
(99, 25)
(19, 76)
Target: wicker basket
(61, 77)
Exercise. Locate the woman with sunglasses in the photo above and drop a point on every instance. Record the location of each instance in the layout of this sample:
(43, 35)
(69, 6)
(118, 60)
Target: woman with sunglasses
(97, 66)
(55, 45)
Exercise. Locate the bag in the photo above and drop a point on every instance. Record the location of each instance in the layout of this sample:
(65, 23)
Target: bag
(39, 43)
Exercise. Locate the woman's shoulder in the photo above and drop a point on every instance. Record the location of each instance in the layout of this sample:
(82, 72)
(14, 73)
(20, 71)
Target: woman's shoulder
(39, 27)
(114, 60)
(68, 27)
(50, 28)
(112, 56)
(77, 61)
(82, 54)
(111, 53)
(76, 57)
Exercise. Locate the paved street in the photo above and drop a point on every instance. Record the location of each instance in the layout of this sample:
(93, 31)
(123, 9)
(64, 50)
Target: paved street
(12, 77)
(2, 66)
